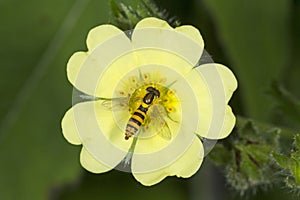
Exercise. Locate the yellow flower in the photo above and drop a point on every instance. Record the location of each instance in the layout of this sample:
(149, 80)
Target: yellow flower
(152, 70)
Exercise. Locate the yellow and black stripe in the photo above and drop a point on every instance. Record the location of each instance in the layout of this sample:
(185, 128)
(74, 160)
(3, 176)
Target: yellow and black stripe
(136, 120)
(138, 117)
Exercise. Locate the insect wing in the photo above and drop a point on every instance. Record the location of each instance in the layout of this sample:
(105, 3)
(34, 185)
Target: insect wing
(118, 103)
(115, 103)
(166, 132)
(157, 115)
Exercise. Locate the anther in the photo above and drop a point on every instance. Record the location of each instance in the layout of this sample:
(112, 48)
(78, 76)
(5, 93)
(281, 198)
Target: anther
(169, 109)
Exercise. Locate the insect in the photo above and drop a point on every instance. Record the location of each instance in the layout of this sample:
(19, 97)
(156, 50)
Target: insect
(148, 118)
(138, 117)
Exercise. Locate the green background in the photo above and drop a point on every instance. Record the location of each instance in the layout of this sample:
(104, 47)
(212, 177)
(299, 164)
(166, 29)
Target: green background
(257, 39)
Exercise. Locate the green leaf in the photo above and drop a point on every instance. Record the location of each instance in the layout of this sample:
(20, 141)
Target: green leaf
(282, 160)
(288, 104)
(115, 8)
(295, 157)
(219, 155)
(246, 155)
(291, 166)
(255, 37)
(250, 168)
(38, 37)
(250, 133)
(297, 141)
(126, 16)
(260, 153)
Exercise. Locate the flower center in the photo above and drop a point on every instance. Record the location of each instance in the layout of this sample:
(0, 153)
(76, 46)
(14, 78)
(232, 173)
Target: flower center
(158, 112)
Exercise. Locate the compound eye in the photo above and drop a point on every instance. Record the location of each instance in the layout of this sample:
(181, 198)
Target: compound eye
(150, 89)
(157, 93)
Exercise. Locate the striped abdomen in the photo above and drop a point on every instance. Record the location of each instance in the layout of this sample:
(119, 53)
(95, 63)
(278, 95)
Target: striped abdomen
(136, 120)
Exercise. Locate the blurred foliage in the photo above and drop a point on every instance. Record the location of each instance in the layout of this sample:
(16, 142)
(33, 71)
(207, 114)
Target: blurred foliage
(119, 185)
(256, 39)
(246, 156)
(36, 94)
(250, 161)
(287, 105)
(291, 166)
(126, 17)
(259, 40)
(292, 69)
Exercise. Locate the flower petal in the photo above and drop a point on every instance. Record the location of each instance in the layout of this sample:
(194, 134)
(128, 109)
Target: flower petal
(91, 164)
(115, 73)
(184, 42)
(225, 126)
(193, 33)
(181, 123)
(99, 133)
(218, 82)
(185, 166)
(190, 162)
(69, 128)
(228, 79)
(152, 22)
(149, 145)
(229, 123)
(74, 65)
(160, 57)
(106, 44)
(96, 36)
(100, 34)
(203, 100)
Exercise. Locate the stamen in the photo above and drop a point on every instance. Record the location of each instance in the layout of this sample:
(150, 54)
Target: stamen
(133, 79)
(162, 80)
(121, 92)
(151, 84)
(170, 93)
(166, 100)
(122, 104)
(146, 76)
(131, 89)
(170, 109)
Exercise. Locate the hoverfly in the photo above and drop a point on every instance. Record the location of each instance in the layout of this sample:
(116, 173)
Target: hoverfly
(147, 117)
(138, 117)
